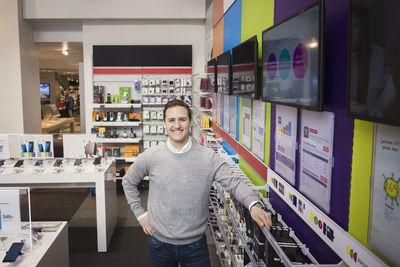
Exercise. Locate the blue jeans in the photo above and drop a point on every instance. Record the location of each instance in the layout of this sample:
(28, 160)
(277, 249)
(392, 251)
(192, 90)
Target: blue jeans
(167, 255)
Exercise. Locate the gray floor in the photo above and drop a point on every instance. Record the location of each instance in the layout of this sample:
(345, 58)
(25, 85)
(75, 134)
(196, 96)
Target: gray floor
(128, 246)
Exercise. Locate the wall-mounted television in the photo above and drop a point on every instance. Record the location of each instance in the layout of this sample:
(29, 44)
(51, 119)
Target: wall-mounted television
(374, 61)
(44, 90)
(293, 59)
(245, 81)
(212, 75)
(224, 73)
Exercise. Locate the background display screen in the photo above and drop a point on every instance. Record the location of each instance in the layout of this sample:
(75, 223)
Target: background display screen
(245, 69)
(374, 61)
(44, 90)
(224, 73)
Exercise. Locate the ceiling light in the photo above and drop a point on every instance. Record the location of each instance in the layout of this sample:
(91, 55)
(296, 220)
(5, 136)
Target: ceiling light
(65, 52)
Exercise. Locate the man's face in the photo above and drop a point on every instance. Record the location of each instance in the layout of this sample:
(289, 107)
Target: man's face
(177, 124)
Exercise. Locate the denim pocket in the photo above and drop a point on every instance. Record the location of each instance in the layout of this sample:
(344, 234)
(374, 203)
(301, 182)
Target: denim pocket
(199, 243)
(154, 242)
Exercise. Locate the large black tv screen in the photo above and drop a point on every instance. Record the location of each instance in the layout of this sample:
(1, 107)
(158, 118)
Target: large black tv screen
(224, 73)
(292, 59)
(374, 61)
(245, 81)
(211, 75)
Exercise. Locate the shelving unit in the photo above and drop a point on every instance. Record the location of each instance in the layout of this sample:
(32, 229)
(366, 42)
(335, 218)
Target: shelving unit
(118, 140)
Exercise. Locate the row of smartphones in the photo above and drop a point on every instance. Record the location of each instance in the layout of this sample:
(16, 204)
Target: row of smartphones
(57, 163)
(24, 149)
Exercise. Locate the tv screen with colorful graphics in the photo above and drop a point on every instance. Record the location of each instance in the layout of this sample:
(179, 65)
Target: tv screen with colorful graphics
(292, 59)
(245, 80)
(224, 73)
(44, 90)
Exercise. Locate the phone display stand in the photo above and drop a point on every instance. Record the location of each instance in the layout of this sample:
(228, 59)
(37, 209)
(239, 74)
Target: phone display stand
(12, 214)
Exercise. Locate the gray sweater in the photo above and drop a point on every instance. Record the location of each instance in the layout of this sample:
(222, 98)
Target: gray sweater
(179, 190)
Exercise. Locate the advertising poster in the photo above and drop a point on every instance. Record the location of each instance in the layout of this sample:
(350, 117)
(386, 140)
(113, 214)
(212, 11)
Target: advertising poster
(246, 122)
(10, 212)
(79, 145)
(258, 129)
(226, 113)
(385, 205)
(285, 142)
(4, 146)
(219, 109)
(27, 146)
(233, 116)
(44, 146)
(214, 105)
(316, 146)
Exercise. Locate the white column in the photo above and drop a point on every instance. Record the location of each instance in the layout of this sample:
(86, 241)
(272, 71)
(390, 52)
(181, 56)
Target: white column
(19, 72)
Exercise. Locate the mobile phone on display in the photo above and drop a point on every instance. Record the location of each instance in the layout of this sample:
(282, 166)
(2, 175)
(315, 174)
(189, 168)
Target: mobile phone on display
(97, 161)
(39, 162)
(19, 163)
(2, 162)
(40, 147)
(13, 252)
(47, 146)
(30, 147)
(58, 163)
(23, 148)
(78, 162)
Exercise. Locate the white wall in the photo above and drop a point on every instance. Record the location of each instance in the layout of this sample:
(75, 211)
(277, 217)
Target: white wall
(140, 33)
(30, 80)
(114, 9)
(11, 118)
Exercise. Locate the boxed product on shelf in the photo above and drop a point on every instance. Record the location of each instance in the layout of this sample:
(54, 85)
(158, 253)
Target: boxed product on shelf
(131, 151)
(124, 94)
(98, 94)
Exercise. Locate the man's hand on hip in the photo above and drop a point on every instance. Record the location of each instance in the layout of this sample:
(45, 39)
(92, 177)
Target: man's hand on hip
(261, 217)
(146, 226)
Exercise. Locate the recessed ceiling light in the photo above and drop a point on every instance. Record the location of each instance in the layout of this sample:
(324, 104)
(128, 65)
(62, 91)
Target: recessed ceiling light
(65, 52)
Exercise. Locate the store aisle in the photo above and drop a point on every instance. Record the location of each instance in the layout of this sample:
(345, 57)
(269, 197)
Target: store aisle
(128, 246)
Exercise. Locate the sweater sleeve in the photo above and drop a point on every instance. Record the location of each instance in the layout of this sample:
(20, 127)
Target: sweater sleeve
(136, 172)
(233, 183)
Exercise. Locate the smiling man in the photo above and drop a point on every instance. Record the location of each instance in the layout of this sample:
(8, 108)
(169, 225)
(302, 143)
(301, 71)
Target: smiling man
(181, 173)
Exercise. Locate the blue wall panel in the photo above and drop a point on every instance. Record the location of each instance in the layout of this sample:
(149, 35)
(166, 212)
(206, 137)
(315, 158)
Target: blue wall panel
(233, 25)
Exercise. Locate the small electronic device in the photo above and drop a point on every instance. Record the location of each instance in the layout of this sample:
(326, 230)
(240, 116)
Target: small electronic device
(40, 148)
(78, 162)
(13, 252)
(19, 163)
(2, 162)
(39, 162)
(97, 161)
(23, 148)
(58, 163)
(30, 147)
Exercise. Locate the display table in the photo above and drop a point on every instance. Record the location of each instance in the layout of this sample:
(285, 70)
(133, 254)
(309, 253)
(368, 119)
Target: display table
(54, 124)
(51, 250)
(70, 176)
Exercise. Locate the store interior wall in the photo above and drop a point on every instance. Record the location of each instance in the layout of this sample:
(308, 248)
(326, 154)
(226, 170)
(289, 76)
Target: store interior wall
(353, 155)
(18, 66)
(141, 33)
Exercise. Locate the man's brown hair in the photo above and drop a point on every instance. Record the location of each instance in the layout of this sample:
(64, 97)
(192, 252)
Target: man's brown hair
(178, 103)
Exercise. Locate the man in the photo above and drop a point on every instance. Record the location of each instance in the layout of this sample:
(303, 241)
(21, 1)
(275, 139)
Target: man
(69, 104)
(181, 173)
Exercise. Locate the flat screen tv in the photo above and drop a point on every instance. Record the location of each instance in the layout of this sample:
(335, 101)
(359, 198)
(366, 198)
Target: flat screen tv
(374, 61)
(293, 61)
(245, 81)
(212, 75)
(44, 90)
(224, 73)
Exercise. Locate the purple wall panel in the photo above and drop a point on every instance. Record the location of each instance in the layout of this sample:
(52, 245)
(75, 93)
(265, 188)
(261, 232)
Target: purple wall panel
(334, 101)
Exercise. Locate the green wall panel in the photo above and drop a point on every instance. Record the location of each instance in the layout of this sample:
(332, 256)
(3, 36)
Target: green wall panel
(360, 180)
(253, 176)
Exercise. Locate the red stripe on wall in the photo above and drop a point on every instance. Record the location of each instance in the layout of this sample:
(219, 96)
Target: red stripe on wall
(117, 71)
(142, 70)
(259, 167)
(167, 71)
